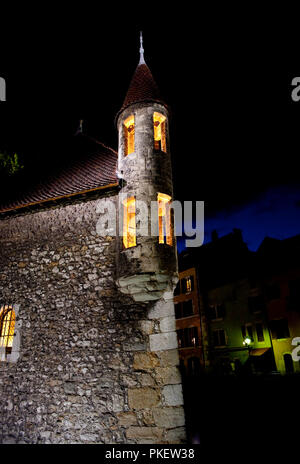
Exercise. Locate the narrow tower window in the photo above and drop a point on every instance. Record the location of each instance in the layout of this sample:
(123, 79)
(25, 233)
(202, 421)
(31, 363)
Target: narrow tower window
(129, 135)
(165, 219)
(129, 227)
(7, 328)
(159, 124)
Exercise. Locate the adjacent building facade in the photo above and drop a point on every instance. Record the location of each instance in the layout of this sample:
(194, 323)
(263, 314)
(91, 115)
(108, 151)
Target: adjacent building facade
(246, 312)
(281, 283)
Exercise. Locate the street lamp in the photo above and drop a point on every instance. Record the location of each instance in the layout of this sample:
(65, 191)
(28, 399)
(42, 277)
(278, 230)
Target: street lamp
(247, 342)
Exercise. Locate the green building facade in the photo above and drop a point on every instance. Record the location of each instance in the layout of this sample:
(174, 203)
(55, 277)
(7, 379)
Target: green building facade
(236, 313)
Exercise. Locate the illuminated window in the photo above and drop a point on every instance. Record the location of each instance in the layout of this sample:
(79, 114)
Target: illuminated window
(165, 219)
(129, 135)
(159, 124)
(187, 337)
(7, 328)
(187, 284)
(129, 227)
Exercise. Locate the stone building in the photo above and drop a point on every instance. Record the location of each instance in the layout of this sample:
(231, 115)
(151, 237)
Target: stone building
(88, 346)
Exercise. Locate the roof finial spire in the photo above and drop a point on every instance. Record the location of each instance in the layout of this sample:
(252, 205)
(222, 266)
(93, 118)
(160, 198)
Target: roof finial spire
(80, 127)
(142, 61)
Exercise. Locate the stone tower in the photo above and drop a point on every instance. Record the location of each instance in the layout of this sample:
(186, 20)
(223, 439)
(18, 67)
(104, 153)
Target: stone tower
(147, 262)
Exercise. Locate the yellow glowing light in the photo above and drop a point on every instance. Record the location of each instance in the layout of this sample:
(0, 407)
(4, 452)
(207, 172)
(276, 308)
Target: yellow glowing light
(247, 341)
(129, 226)
(129, 134)
(188, 285)
(164, 218)
(7, 326)
(159, 124)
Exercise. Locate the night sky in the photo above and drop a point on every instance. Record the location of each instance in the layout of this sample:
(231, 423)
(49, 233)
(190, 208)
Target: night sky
(235, 130)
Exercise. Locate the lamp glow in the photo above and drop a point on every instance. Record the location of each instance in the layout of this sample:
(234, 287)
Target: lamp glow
(247, 341)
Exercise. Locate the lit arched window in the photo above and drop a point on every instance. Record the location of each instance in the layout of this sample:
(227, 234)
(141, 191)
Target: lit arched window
(129, 135)
(159, 124)
(165, 219)
(129, 226)
(7, 328)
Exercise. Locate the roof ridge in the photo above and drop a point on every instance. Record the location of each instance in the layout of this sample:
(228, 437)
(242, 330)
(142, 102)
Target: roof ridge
(101, 143)
(93, 170)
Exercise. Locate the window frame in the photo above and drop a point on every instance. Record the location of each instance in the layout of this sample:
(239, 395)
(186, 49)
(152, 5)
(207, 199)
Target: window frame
(127, 223)
(218, 308)
(246, 333)
(13, 354)
(225, 338)
(162, 121)
(262, 329)
(180, 306)
(165, 218)
(10, 330)
(127, 135)
(185, 334)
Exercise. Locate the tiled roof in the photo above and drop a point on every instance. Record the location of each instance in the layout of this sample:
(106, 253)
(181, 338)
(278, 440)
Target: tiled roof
(142, 88)
(87, 172)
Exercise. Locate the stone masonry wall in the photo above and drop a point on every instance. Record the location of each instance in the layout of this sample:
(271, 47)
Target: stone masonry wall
(93, 366)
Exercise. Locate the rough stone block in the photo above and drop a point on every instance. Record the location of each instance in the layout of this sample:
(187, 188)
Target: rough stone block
(145, 361)
(147, 327)
(150, 433)
(89, 437)
(167, 324)
(163, 341)
(168, 357)
(146, 380)
(127, 418)
(169, 417)
(167, 375)
(172, 395)
(117, 403)
(161, 309)
(146, 296)
(177, 435)
(142, 398)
